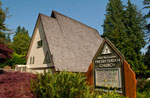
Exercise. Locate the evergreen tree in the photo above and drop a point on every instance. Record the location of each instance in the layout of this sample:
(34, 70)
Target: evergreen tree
(147, 57)
(114, 28)
(135, 24)
(21, 30)
(2, 24)
(18, 30)
(147, 16)
(21, 41)
(24, 30)
(2, 37)
(8, 40)
(124, 27)
(5, 52)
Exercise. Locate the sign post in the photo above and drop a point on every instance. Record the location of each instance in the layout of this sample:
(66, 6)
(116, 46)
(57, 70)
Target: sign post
(108, 69)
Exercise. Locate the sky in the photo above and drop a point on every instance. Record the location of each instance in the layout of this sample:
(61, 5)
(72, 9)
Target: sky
(89, 12)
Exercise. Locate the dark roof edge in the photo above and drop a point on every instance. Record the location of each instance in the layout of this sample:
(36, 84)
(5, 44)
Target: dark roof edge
(46, 37)
(32, 36)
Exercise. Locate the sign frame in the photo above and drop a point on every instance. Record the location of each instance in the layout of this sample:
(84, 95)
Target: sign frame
(100, 49)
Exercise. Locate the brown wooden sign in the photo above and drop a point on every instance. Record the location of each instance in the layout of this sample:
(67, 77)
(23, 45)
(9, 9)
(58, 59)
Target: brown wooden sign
(108, 70)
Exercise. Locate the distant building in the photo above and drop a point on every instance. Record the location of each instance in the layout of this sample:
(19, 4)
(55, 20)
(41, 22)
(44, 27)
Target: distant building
(61, 44)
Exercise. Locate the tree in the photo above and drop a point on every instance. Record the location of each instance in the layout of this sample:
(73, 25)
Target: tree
(146, 3)
(2, 37)
(20, 43)
(135, 24)
(147, 57)
(123, 25)
(2, 24)
(113, 23)
(21, 30)
(147, 16)
(16, 59)
(18, 30)
(5, 53)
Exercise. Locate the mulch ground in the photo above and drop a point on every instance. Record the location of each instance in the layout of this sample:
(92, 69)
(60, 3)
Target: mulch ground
(16, 85)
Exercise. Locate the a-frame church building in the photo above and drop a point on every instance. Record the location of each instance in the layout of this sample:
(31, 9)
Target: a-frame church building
(61, 44)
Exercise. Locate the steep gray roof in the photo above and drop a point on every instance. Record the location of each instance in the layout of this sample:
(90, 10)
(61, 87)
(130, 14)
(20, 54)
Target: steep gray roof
(72, 44)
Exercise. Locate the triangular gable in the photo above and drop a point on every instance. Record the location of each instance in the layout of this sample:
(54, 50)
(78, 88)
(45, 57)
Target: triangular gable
(106, 50)
(39, 20)
(107, 46)
(33, 36)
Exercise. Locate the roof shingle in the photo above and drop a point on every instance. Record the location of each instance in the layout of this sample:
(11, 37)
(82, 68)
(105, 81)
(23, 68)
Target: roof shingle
(72, 44)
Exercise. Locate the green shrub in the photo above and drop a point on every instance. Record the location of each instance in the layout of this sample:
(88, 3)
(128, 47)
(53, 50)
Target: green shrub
(142, 73)
(144, 94)
(16, 59)
(61, 85)
(143, 88)
(107, 94)
(66, 85)
(143, 85)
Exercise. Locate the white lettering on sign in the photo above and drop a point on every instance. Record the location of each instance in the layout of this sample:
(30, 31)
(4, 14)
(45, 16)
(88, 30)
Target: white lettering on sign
(106, 57)
(107, 65)
(107, 62)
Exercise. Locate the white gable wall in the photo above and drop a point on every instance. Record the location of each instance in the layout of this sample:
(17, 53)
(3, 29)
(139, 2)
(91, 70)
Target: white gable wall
(38, 53)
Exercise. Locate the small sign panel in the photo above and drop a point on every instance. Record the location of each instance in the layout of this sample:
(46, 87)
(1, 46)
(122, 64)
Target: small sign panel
(106, 50)
(108, 77)
(108, 67)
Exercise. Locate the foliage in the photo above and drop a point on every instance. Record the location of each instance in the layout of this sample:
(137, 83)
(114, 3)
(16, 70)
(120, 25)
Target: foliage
(2, 24)
(123, 25)
(135, 24)
(5, 52)
(20, 43)
(147, 16)
(2, 37)
(146, 3)
(21, 30)
(143, 73)
(16, 85)
(143, 88)
(113, 21)
(147, 57)
(144, 94)
(143, 85)
(16, 59)
(61, 85)
(107, 94)
(66, 85)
